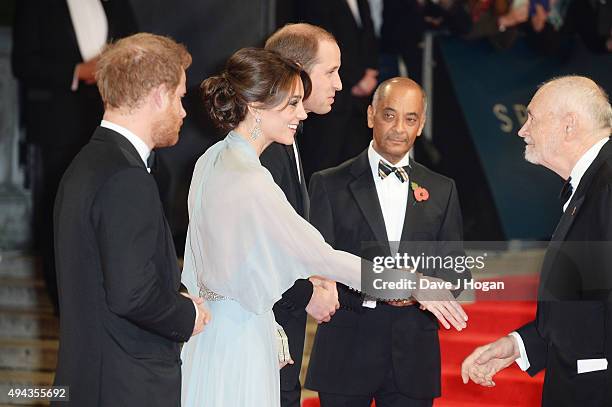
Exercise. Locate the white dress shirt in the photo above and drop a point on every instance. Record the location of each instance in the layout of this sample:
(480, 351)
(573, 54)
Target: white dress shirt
(90, 28)
(392, 195)
(297, 161)
(393, 198)
(355, 11)
(376, 10)
(582, 165)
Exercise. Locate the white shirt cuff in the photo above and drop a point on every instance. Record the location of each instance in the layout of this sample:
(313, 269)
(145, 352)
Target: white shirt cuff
(197, 313)
(75, 79)
(523, 360)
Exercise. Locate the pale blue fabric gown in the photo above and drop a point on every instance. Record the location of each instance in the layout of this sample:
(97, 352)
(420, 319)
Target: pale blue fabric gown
(246, 243)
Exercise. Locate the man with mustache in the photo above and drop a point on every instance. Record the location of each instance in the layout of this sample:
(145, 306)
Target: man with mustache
(567, 131)
(317, 52)
(388, 352)
(122, 318)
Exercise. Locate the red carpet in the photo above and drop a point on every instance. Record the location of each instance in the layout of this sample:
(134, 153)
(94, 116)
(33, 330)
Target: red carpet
(492, 315)
(488, 320)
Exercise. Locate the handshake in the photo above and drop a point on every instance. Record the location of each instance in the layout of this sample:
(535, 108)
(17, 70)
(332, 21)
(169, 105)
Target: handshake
(324, 301)
(440, 302)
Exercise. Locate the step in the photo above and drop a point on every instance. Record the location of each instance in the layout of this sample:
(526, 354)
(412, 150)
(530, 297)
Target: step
(20, 323)
(441, 402)
(28, 354)
(513, 387)
(18, 264)
(11, 379)
(499, 317)
(456, 346)
(23, 293)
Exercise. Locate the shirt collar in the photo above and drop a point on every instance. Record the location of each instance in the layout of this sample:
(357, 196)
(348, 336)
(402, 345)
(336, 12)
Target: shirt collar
(585, 162)
(374, 158)
(141, 147)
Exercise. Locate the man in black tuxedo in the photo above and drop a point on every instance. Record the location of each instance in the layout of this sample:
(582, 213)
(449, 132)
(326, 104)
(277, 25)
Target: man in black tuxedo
(371, 349)
(342, 133)
(58, 89)
(122, 317)
(567, 131)
(316, 50)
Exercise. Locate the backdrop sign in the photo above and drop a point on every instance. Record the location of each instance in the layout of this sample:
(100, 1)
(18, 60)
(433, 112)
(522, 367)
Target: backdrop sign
(493, 89)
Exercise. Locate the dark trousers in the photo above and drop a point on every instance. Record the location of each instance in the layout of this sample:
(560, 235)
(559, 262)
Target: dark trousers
(388, 395)
(291, 398)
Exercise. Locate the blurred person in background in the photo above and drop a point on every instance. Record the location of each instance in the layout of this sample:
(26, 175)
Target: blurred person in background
(342, 133)
(56, 44)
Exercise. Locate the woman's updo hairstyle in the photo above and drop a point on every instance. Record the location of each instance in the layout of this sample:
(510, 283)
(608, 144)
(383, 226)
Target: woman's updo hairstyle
(251, 75)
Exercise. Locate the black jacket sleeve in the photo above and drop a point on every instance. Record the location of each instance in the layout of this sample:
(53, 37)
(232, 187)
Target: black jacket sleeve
(128, 225)
(321, 217)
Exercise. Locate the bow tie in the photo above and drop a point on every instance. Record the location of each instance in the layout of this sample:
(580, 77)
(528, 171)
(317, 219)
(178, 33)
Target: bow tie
(566, 191)
(385, 169)
(151, 161)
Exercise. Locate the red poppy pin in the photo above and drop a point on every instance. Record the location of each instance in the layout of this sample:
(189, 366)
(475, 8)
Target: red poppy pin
(420, 193)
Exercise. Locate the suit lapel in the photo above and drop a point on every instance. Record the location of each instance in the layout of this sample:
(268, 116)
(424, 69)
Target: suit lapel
(415, 211)
(364, 192)
(110, 136)
(299, 180)
(567, 219)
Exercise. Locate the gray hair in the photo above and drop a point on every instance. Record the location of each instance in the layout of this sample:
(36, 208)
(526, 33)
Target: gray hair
(583, 94)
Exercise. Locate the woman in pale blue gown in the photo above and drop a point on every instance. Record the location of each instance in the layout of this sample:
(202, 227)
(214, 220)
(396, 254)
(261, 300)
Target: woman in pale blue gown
(245, 244)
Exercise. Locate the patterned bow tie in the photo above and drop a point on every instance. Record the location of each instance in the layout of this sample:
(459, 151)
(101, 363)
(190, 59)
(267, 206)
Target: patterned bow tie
(566, 191)
(385, 169)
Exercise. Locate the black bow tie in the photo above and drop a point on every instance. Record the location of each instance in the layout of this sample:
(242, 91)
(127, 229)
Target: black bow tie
(385, 169)
(151, 161)
(566, 191)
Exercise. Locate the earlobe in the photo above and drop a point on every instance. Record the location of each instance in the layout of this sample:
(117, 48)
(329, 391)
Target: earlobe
(254, 112)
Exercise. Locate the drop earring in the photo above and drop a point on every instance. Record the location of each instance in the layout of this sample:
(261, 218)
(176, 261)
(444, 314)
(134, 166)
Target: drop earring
(256, 132)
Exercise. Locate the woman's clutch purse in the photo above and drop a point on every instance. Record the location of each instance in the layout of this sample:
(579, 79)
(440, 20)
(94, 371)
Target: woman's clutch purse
(283, 345)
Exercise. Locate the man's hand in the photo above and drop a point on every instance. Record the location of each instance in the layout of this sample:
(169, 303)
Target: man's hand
(86, 71)
(324, 301)
(441, 303)
(203, 317)
(487, 360)
(365, 87)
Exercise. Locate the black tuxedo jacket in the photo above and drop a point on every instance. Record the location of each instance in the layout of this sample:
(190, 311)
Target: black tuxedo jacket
(122, 317)
(574, 317)
(352, 354)
(290, 311)
(44, 55)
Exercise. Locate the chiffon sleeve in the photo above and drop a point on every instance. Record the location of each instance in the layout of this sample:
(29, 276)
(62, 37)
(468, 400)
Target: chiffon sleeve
(246, 242)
